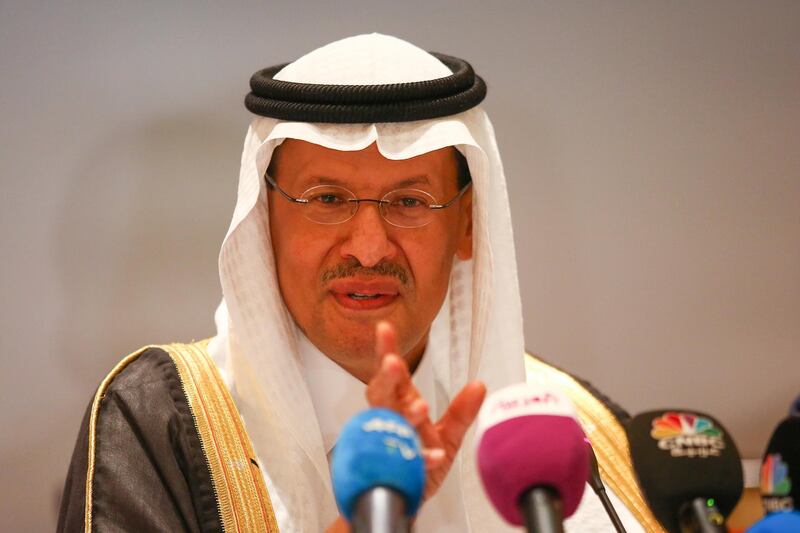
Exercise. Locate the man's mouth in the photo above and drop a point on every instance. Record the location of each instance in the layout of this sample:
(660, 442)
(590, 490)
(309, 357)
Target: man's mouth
(357, 296)
(364, 295)
(363, 301)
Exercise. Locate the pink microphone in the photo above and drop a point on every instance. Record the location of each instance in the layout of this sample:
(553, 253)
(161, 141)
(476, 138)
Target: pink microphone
(532, 456)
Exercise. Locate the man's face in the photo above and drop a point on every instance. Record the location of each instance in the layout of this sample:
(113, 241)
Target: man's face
(339, 280)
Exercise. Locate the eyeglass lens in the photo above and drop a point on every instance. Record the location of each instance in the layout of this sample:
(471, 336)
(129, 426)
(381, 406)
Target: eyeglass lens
(329, 204)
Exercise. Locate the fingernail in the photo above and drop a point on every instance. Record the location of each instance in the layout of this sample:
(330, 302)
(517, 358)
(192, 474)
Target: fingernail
(437, 454)
(419, 406)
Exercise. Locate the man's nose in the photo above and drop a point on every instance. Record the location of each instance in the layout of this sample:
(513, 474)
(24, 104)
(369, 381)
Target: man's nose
(367, 240)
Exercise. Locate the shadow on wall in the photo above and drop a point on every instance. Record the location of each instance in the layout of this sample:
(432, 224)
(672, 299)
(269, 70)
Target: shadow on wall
(142, 224)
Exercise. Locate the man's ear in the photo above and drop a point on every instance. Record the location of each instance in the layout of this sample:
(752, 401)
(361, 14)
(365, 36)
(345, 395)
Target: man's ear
(464, 248)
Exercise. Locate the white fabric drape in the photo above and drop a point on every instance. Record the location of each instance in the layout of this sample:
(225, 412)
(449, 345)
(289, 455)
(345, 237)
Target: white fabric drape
(257, 348)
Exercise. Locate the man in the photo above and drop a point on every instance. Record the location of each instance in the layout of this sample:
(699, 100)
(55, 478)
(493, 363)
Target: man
(371, 239)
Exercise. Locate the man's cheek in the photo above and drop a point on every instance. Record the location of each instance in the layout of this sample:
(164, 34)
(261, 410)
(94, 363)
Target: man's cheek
(299, 250)
(429, 264)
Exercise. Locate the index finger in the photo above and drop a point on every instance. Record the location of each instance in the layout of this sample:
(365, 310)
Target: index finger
(385, 339)
(383, 389)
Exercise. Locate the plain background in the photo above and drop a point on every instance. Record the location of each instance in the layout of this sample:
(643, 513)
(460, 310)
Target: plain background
(653, 167)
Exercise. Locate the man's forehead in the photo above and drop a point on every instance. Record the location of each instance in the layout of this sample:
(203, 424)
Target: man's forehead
(305, 159)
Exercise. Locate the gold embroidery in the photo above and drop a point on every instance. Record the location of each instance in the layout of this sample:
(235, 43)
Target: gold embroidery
(608, 440)
(242, 498)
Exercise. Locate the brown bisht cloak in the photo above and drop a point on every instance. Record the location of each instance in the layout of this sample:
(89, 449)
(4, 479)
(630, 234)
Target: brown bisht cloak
(162, 448)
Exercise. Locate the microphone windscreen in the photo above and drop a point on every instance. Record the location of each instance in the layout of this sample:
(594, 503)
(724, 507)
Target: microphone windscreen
(680, 455)
(780, 468)
(777, 523)
(528, 436)
(377, 448)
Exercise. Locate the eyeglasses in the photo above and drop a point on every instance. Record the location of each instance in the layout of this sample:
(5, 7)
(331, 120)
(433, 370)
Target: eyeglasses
(331, 204)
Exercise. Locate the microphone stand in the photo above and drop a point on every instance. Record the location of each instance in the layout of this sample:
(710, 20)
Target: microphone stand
(541, 508)
(596, 482)
(610, 511)
(380, 510)
(699, 517)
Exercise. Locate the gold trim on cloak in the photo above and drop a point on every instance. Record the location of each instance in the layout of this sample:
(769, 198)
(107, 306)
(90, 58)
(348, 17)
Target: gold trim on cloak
(242, 499)
(608, 439)
(101, 391)
(241, 493)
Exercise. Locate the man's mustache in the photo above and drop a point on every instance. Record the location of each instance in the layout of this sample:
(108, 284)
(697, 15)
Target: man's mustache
(351, 270)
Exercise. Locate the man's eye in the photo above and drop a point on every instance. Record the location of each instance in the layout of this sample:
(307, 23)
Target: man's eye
(409, 202)
(327, 199)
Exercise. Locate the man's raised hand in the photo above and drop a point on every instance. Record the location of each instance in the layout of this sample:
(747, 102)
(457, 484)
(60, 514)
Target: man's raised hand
(391, 387)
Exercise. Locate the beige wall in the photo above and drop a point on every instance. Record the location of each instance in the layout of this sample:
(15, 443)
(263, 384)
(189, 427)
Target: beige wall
(653, 164)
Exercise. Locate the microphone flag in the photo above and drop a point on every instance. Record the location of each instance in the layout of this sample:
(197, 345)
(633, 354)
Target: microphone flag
(377, 448)
(528, 437)
(681, 456)
(780, 468)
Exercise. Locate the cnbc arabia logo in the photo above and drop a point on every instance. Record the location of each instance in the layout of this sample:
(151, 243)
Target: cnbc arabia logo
(776, 484)
(775, 476)
(687, 435)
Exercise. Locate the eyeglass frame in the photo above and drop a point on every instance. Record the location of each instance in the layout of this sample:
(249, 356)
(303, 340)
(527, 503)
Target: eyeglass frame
(271, 182)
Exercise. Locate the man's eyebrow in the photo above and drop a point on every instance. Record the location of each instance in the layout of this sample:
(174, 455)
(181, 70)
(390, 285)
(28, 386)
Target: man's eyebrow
(320, 179)
(415, 180)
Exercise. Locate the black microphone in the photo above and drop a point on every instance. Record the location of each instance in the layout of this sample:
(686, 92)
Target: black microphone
(794, 410)
(780, 468)
(688, 468)
(596, 482)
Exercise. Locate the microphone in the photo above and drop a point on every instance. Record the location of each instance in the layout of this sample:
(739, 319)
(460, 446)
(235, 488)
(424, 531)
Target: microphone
(780, 468)
(378, 472)
(689, 470)
(596, 482)
(794, 410)
(788, 522)
(532, 457)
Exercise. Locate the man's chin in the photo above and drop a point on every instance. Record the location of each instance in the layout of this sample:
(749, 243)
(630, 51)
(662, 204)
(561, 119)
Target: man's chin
(355, 347)
(345, 341)
(355, 356)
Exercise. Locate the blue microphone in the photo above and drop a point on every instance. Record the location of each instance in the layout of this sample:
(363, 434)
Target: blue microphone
(786, 522)
(378, 472)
